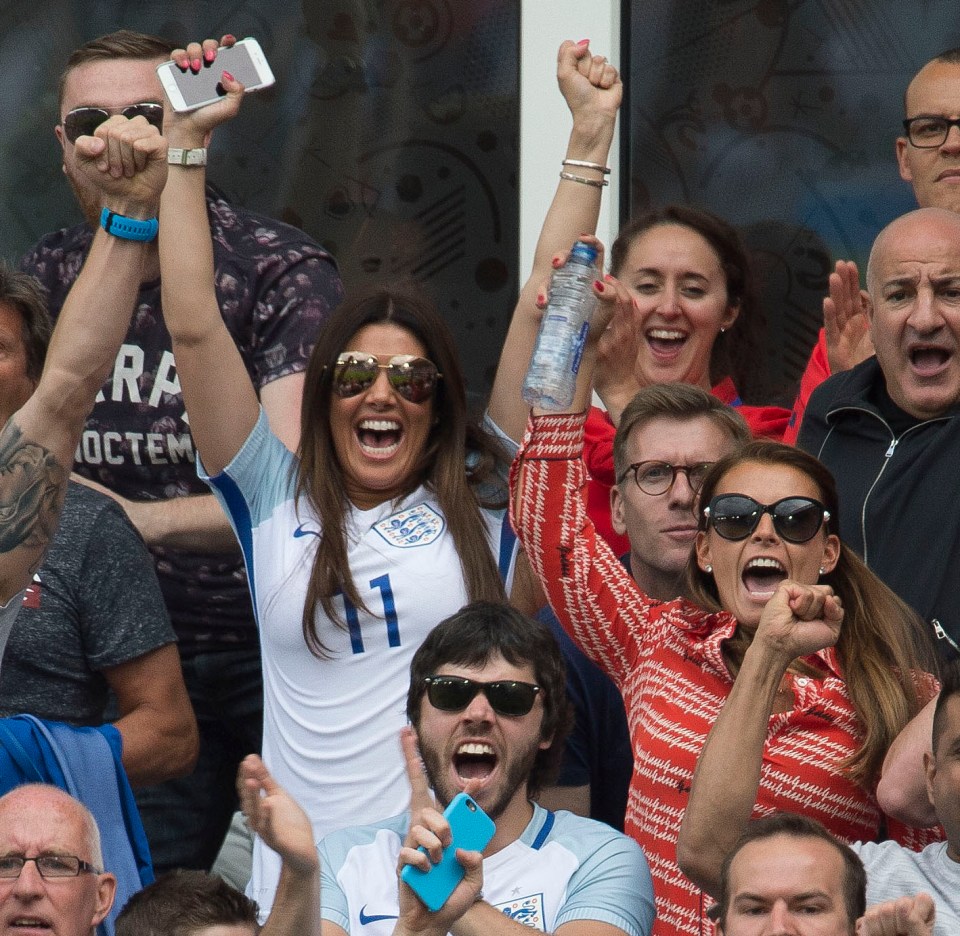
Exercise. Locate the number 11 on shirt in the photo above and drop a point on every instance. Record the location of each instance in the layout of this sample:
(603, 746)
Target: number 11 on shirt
(381, 584)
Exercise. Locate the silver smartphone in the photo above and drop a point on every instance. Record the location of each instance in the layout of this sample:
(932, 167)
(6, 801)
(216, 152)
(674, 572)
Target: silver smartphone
(187, 91)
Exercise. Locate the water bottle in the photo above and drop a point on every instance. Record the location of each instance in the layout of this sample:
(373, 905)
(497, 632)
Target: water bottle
(552, 376)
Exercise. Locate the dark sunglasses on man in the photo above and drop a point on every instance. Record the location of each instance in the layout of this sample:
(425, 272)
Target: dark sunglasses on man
(83, 121)
(506, 696)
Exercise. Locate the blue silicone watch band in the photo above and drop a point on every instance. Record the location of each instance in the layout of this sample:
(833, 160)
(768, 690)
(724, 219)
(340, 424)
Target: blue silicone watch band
(128, 228)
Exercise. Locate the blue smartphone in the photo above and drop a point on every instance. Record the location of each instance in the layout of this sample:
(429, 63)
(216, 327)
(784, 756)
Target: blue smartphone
(472, 830)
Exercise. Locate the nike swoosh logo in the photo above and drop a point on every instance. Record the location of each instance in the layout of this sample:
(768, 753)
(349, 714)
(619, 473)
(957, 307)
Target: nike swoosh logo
(300, 532)
(364, 919)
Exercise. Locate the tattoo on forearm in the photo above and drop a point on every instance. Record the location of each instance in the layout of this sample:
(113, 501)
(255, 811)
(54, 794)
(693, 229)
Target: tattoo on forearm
(31, 487)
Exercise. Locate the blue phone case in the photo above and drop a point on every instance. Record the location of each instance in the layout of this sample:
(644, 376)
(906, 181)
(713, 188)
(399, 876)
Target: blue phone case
(472, 830)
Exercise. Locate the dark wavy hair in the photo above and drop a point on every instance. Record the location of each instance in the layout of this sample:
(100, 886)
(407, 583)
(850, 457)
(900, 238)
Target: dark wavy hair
(442, 466)
(735, 352)
(883, 645)
(482, 630)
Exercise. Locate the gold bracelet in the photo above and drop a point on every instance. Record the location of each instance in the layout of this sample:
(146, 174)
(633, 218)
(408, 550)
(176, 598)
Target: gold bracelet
(596, 183)
(583, 164)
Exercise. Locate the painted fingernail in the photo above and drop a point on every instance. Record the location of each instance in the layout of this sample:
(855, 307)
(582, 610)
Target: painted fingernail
(195, 64)
(599, 286)
(583, 42)
(228, 38)
(608, 278)
(208, 55)
(556, 262)
(541, 299)
(228, 76)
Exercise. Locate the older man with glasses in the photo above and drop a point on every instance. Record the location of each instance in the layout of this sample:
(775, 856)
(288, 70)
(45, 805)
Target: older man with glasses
(51, 865)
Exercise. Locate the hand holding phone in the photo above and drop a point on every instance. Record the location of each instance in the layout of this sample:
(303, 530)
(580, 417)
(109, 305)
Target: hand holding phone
(471, 829)
(189, 90)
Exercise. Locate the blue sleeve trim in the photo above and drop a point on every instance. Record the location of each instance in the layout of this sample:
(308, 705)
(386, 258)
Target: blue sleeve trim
(508, 548)
(544, 831)
(239, 512)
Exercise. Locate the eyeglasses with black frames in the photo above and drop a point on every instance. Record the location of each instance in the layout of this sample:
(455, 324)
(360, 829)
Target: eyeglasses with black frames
(928, 131)
(49, 866)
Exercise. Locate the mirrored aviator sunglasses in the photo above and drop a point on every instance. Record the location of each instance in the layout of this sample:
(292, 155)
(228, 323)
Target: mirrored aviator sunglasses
(506, 696)
(83, 121)
(736, 516)
(414, 378)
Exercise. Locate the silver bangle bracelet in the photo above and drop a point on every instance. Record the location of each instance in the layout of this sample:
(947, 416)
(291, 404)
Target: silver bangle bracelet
(596, 183)
(583, 164)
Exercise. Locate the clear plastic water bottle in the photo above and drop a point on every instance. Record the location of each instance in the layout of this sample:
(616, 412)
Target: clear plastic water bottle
(552, 376)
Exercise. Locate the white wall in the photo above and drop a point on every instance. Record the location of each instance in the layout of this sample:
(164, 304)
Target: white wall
(544, 118)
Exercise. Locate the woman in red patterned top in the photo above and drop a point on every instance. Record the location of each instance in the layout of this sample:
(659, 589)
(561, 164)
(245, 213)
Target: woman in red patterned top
(771, 522)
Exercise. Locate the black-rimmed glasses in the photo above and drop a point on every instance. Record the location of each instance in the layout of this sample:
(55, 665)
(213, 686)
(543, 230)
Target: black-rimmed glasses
(506, 696)
(657, 477)
(928, 132)
(736, 516)
(83, 121)
(49, 866)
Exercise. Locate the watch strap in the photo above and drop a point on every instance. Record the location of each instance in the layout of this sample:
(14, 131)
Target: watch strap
(128, 228)
(187, 157)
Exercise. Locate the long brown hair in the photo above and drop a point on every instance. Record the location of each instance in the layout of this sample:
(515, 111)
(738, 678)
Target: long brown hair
(882, 646)
(458, 458)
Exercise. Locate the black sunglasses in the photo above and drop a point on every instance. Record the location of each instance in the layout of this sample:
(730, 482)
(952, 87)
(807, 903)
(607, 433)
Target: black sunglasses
(736, 516)
(414, 378)
(455, 693)
(83, 121)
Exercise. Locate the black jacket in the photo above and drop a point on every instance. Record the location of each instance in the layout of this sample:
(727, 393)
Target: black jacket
(899, 493)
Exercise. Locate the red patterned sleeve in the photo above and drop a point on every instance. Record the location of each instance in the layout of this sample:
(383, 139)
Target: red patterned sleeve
(594, 597)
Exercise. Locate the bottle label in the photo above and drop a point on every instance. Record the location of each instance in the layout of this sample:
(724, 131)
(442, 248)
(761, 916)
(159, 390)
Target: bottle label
(578, 347)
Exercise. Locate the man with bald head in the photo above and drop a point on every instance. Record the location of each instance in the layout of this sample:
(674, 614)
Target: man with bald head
(889, 429)
(51, 867)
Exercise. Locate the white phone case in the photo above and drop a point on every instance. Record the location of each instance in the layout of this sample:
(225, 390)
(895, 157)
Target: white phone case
(187, 91)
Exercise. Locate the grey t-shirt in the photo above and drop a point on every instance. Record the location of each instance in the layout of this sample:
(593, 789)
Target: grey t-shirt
(95, 603)
(8, 614)
(894, 871)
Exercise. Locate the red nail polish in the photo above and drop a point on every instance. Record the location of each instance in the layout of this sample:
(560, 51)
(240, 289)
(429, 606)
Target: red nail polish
(556, 262)
(195, 65)
(599, 286)
(228, 76)
(208, 55)
(584, 42)
(541, 299)
(229, 37)
(608, 278)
